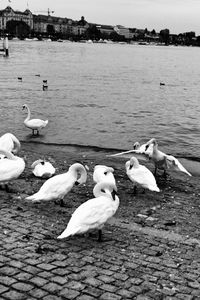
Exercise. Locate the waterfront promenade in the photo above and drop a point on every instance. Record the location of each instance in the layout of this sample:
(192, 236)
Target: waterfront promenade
(150, 249)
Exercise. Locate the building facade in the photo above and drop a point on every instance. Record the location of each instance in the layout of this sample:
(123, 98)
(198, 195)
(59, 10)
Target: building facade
(8, 14)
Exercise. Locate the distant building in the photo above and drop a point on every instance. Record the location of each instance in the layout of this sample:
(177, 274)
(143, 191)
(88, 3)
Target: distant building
(80, 27)
(124, 31)
(43, 24)
(105, 29)
(17, 17)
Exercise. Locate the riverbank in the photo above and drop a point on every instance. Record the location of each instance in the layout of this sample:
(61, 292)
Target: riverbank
(174, 209)
(150, 248)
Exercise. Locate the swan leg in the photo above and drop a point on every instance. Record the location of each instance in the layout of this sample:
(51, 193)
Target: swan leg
(99, 235)
(7, 188)
(165, 174)
(155, 171)
(135, 190)
(37, 132)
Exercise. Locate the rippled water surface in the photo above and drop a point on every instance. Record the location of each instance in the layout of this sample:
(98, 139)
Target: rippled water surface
(105, 95)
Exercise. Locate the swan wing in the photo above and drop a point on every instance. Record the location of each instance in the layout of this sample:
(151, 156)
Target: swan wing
(174, 163)
(11, 169)
(141, 155)
(54, 188)
(89, 215)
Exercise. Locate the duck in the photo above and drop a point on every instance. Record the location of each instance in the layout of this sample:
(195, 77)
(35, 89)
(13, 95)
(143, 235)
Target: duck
(11, 167)
(140, 175)
(103, 173)
(10, 143)
(93, 213)
(34, 124)
(56, 187)
(42, 168)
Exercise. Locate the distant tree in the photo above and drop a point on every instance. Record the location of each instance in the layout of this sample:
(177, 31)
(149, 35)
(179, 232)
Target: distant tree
(93, 33)
(153, 32)
(164, 36)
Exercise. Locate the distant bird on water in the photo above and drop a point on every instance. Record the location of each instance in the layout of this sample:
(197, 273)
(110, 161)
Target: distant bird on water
(140, 175)
(34, 124)
(55, 188)
(19, 78)
(94, 213)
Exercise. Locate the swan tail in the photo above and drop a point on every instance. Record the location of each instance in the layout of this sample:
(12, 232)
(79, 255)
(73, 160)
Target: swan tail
(46, 122)
(155, 189)
(34, 197)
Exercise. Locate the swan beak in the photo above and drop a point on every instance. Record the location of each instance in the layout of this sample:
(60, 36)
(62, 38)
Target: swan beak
(77, 183)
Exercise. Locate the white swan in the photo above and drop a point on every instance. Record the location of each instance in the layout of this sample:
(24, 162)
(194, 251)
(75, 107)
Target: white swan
(94, 213)
(10, 143)
(11, 167)
(57, 187)
(34, 124)
(140, 175)
(42, 168)
(162, 160)
(103, 174)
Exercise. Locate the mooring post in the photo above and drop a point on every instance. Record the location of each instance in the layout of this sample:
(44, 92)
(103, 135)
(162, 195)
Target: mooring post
(6, 45)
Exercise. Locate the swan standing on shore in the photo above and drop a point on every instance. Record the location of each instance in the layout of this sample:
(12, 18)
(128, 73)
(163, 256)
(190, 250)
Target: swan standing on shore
(103, 174)
(10, 143)
(162, 160)
(11, 167)
(140, 175)
(57, 187)
(34, 124)
(94, 213)
(42, 168)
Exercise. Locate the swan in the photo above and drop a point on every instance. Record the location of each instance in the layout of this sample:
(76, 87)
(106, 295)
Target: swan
(42, 168)
(93, 213)
(10, 143)
(11, 167)
(138, 151)
(140, 175)
(103, 174)
(163, 161)
(34, 124)
(57, 187)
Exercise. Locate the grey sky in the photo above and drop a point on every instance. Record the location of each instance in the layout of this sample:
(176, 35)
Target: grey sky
(177, 15)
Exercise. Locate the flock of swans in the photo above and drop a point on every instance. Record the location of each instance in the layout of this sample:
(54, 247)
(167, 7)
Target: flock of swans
(95, 212)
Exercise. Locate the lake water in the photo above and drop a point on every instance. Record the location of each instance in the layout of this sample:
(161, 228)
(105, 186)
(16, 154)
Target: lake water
(105, 95)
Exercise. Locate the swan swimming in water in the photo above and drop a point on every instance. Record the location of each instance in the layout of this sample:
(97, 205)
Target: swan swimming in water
(11, 167)
(42, 168)
(57, 187)
(103, 174)
(34, 124)
(10, 143)
(140, 175)
(93, 213)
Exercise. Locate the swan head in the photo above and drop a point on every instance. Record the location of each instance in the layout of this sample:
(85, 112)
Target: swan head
(105, 188)
(24, 106)
(132, 163)
(136, 146)
(151, 142)
(77, 169)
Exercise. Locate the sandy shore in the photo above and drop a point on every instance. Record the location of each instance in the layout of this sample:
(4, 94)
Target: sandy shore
(174, 209)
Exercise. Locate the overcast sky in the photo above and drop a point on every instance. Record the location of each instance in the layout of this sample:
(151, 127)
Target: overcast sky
(177, 15)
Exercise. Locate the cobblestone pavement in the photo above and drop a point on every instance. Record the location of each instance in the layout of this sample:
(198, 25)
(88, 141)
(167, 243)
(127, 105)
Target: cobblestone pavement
(145, 257)
(132, 263)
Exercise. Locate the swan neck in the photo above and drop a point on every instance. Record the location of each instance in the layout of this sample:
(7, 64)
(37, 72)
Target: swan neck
(29, 113)
(8, 154)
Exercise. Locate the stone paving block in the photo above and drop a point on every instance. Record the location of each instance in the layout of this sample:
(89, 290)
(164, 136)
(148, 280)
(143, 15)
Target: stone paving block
(38, 293)
(38, 281)
(69, 294)
(3, 288)
(85, 297)
(110, 296)
(6, 280)
(22, 287)
(14, 295)
(94, 292)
